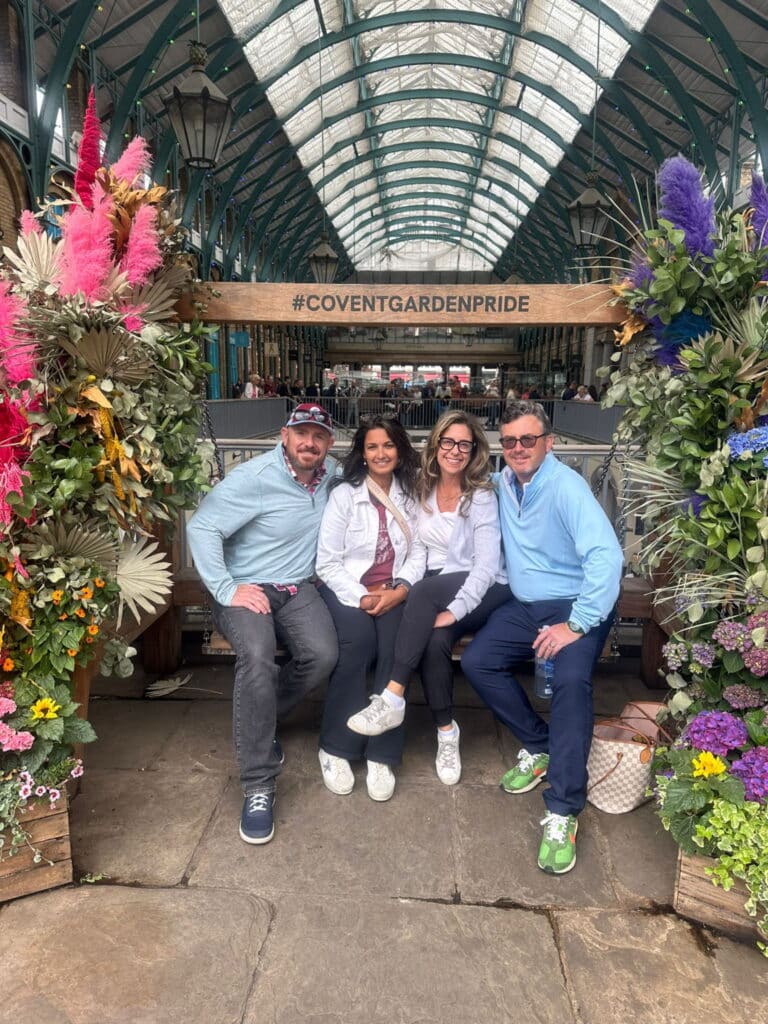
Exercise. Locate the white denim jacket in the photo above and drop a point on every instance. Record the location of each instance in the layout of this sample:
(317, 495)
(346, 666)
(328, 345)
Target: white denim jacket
(475, 547)
(347, 543)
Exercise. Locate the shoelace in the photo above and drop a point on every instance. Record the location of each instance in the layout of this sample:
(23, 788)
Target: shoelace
(526, 761)
(379, 771)
(374, 709)
(447, 752)
(258, 802)
(555, 827)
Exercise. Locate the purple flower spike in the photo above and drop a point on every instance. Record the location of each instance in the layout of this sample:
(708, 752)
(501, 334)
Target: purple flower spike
(684, 204)
(758, 200)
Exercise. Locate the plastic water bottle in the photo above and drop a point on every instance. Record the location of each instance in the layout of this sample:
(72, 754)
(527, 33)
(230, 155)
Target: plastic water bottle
(543, 674)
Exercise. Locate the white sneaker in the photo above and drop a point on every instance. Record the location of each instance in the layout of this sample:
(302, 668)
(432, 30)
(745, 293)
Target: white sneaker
(380, 781)
(448, 761)
(337, 775)
(377, 718)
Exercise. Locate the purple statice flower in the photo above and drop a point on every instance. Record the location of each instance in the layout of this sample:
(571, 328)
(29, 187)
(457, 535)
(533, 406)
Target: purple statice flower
(683, 203)
(681, 329)
(703, 654)
(640, 272)
(716, 731)
(732, 636)
(752, 769)
(741, 696)
(675, 654)
(756, 661)
(758, 200)
(747, 443)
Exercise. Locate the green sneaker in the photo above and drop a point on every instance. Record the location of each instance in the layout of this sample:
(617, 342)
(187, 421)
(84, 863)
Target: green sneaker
(557, 853)
(527, 773)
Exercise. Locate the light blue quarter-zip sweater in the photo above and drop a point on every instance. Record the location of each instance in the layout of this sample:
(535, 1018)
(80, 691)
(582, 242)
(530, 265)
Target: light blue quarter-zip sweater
(258, 525)
(558, 542)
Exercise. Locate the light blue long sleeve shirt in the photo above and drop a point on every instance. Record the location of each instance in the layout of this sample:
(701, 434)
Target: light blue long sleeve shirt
(558, 542)
(257, 525)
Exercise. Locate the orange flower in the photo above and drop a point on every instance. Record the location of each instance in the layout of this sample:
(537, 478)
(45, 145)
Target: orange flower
(89, 639)
(56, 596)
(8, 574)
(9, 665)
(63, 617)
(80, 613)
(93, 630)
(72, 651)
(99, 582)
(85, 594)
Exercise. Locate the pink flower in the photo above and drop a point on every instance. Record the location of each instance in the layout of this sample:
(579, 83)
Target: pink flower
(7, 706)
(54, 795)
(86, 250)
(142, 253)
(17, 350)
(41, 791)
(12, 741)
(25, 792)
(29, 224)
(88, 157)
(77, 771)
(134, 161)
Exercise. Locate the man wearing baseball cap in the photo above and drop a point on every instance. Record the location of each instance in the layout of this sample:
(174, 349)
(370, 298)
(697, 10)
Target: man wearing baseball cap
(254, 540)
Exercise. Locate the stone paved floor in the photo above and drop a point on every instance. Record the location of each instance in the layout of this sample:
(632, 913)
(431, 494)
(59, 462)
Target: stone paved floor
(428, 909)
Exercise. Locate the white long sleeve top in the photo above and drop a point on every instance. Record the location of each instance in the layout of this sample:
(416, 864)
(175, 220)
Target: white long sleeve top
(475, 547)
(347, 542)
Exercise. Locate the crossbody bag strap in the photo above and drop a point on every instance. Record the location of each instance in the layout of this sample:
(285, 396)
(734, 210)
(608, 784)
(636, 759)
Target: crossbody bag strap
(389, 505)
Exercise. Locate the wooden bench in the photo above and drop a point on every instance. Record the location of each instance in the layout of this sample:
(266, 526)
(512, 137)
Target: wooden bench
(162, 641)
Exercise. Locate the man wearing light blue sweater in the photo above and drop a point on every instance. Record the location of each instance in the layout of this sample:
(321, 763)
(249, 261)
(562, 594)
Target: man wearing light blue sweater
(254, 541)
(564, 566)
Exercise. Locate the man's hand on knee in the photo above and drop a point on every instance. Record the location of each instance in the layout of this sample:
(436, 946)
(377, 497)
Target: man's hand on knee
(552, 639)
(252, 597)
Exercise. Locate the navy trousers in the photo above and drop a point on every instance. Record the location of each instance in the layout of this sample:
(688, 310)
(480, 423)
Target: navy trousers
(505, 641)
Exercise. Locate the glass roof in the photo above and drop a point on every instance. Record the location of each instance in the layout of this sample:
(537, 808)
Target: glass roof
(429, 130)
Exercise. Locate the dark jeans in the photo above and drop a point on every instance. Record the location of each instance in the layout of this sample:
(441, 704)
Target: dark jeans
(418, 642)
(505, 641)
(364, 641)
(263, 691)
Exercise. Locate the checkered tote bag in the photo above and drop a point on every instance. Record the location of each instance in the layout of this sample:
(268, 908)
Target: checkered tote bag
(620, 758)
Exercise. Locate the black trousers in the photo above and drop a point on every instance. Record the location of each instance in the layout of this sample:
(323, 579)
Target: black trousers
(419, 643)
(364, 641)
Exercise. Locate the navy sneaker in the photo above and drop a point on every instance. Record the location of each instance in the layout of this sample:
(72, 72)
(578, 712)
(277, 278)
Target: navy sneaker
(257, 824)
(278, 748)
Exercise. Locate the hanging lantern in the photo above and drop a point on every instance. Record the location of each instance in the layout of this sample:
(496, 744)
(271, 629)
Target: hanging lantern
(200, 114)
(589, 215)
(323, 261)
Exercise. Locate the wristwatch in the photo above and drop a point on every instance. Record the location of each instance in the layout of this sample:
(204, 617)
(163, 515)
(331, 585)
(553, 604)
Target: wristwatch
(575, 627)
(400, 582)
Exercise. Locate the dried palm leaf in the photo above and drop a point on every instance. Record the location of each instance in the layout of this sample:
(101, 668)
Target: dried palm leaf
(36, 262)
(153, 302)
(143, 575)
(109, 353)
(88, 543)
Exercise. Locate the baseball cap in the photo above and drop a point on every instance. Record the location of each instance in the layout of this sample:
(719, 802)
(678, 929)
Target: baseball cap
(307, 412)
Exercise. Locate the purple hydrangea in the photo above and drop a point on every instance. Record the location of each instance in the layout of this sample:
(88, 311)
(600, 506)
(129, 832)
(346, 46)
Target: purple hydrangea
(752, 769)
(703, 654)
(756, 660)
(694, 503)
(683, 203)
(751, 441)
(741, 696)
(732, 636)
(716, 731)
(758, 620)
(675, 654)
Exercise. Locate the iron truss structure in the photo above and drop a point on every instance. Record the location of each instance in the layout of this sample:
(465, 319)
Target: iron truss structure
(443, 135)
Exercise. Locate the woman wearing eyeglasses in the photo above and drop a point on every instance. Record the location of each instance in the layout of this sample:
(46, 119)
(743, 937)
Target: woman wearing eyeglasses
(458, 523)
(368, 556)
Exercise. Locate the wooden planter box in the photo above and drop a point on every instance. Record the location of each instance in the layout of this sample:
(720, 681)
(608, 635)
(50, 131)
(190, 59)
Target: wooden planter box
(49, 833)
(698, 898)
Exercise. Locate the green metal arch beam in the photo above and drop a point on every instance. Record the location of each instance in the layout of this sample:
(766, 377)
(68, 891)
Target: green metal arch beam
(457, 214)
(379, 200)
(429, 218)
(178, 14)
(45, 122)
(715, 28)
(306, 225)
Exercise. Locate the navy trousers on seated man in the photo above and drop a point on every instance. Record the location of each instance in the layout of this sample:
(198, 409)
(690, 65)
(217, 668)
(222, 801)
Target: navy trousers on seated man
(564, 567)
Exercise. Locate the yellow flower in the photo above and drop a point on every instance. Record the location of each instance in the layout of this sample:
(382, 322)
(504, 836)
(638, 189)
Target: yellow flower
(99, 582)
(9, 665)
(72, 651)
(56, 596)
(85, 594)
(707, 764)
(46, 707)
(93, 630)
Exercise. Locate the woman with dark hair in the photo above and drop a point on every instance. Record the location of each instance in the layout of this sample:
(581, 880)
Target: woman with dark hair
(368, 557)
(458, 523)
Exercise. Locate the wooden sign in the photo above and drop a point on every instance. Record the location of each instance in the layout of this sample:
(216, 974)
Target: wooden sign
(379, 305)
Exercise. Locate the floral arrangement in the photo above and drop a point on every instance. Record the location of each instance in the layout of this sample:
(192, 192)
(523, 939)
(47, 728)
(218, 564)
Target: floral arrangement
(98, 448)
(694, 384)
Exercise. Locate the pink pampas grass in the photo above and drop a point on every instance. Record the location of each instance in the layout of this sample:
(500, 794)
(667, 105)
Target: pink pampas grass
(142, 253)
(17, 350)
(88, 156)
(134, 162)
(86, 250)
(29, 224)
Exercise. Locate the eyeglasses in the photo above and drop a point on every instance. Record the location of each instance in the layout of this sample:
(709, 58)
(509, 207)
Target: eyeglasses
(527, 441)
(448, 444)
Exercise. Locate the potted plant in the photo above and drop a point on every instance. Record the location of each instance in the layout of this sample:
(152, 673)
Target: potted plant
(99, 420)
(694, 384)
